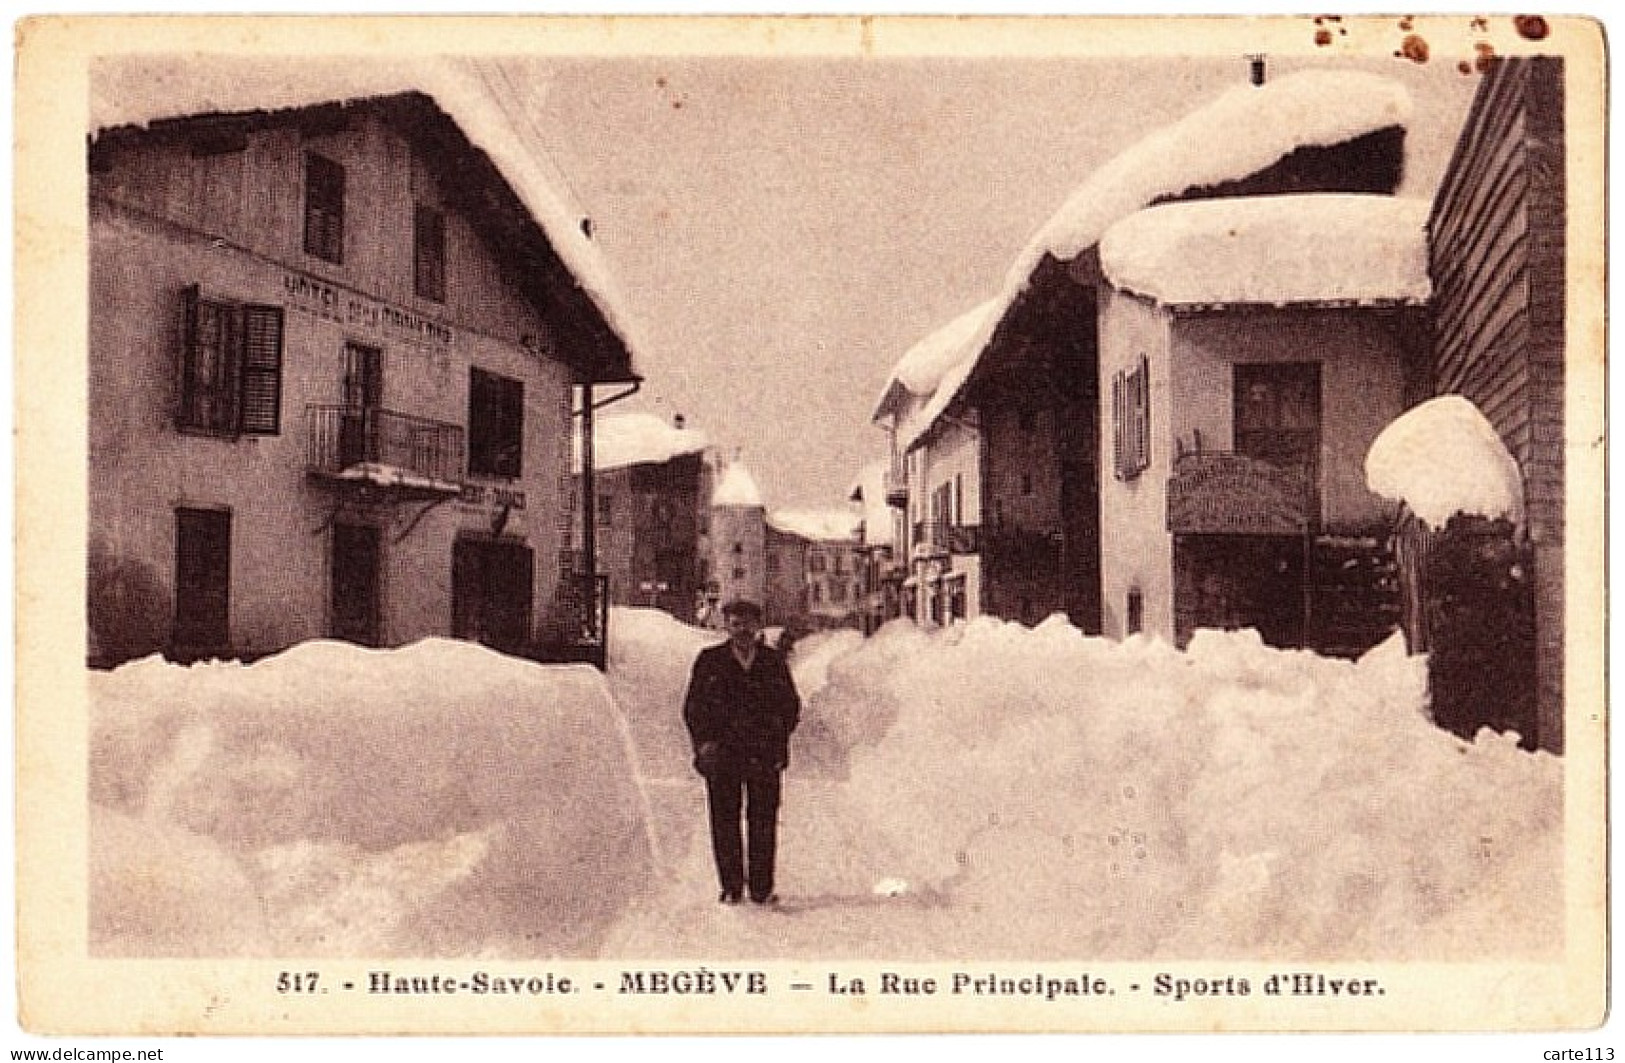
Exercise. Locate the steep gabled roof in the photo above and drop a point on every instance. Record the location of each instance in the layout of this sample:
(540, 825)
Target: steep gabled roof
(544, 247)
(1213, 150)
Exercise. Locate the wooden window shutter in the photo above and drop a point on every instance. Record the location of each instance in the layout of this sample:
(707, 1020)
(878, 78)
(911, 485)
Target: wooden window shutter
(262, 370)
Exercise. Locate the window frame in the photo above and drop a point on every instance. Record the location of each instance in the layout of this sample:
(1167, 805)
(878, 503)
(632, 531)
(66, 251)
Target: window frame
(1131, 420)
(429, 252)
(496, 425)
(230, 372)
(325, 187)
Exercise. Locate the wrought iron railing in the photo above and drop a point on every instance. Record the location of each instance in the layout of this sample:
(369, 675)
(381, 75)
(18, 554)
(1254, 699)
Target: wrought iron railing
(343, 437)
(948, 537)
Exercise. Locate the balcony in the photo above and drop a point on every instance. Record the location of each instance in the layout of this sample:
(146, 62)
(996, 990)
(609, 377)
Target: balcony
(895, 484)
(944, 537)
(403, 456)
(1224, 493)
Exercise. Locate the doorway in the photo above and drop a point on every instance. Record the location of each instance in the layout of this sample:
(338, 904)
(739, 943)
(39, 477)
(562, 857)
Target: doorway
(491, 593)
(357, 565)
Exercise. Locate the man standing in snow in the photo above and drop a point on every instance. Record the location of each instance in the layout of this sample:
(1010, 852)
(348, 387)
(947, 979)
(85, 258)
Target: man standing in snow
(740, 709)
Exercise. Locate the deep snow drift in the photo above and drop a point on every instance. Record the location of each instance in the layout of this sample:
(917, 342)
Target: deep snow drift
(988, 791)
(438, 799)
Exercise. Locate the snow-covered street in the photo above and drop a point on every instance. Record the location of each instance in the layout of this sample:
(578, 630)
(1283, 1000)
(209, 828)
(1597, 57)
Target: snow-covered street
(990, 791)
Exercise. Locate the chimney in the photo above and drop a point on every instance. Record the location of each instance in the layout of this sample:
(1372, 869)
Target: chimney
(678, 421)
(1257, 69)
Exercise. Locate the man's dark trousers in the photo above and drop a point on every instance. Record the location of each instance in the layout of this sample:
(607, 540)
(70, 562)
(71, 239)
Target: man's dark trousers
(759, 788)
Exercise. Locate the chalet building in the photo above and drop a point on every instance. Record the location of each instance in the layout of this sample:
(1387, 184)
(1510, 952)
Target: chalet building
(1497, 261)
(934, 478)
(652, 489)
(333, 359)
(1251, 350)
(1021, 442)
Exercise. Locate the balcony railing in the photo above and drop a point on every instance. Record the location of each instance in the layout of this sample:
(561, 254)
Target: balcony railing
(949, 538)
(895, 484)
(1225, 493)
(384, 448)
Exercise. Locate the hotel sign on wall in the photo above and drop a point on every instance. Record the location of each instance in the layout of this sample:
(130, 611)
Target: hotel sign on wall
(333, 303)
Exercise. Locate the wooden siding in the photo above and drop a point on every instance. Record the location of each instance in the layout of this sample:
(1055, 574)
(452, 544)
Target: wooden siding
(1498, 270)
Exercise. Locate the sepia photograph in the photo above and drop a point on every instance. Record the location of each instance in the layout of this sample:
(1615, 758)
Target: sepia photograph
(541, 525)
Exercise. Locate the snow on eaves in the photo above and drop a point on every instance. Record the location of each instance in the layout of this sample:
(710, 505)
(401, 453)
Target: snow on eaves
(640, 438)
(819, 525)
(1239, 133)
(243, 84)
(1444, 457)
(737, 488)
(1272, 251)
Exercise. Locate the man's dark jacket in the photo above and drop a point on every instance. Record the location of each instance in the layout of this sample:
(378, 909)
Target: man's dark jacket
(748, 715)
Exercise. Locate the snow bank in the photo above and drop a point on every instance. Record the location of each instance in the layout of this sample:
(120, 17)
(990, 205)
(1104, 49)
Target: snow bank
(334, 800)
(1131, 801)
(650, 657)
(1273, 251)
(638, 438)
(1442, 458)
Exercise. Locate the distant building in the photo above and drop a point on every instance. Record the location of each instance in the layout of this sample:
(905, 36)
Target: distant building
(878, 535)
(652, 485)
(738, 537)
(815, 570)
(333, 356)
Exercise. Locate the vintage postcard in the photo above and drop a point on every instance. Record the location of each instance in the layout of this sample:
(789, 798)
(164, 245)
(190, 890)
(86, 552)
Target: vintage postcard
(604, 525)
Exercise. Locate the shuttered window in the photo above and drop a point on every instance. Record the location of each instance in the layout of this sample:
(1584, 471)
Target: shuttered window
(1131, 420)
(429, 253)
(324, 208)
(231, 367)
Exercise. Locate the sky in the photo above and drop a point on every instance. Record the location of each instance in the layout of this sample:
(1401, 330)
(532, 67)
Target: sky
(783, 230)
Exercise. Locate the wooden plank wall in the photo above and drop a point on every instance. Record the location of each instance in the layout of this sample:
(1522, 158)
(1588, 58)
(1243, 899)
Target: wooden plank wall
(1497, 246)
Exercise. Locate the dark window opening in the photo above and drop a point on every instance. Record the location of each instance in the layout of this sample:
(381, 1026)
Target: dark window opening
(1277, 414)
(429, 253)
(1136, 611)
(496, 421)
(324, 208)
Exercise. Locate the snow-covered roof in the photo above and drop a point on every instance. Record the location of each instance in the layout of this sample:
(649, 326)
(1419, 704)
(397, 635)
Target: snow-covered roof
(923, 366)
(1272, 251)
(1442, 458)
(737, 487)
(1239, 133)
(244, 85)
(820, 525)
(640, 438)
